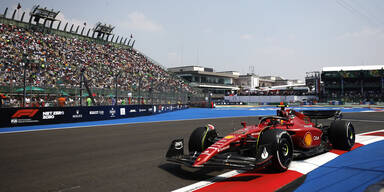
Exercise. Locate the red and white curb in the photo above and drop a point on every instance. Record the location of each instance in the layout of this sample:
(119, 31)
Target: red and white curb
(250, 181)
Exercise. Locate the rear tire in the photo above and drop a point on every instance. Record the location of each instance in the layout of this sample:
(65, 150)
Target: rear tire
(201, 138)
(342, 135)
(282, 148)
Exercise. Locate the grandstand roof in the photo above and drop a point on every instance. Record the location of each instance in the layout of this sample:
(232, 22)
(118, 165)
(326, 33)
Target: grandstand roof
(354, 68)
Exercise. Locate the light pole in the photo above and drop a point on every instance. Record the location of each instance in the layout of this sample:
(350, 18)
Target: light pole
(25, 61)
(116, 77)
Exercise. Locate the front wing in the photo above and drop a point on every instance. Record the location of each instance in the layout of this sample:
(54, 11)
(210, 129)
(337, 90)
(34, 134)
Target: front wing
(228, 160)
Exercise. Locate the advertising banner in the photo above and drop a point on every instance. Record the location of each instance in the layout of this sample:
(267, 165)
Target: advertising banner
(11, 117)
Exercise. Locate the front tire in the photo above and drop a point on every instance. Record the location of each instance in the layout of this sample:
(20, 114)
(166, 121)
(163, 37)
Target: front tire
(201, 138)
(282, 148)
(342, 135)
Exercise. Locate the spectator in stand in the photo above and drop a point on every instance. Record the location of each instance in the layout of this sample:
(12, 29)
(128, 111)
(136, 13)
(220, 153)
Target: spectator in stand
(55, 61)
(89, 101)
(61, 101)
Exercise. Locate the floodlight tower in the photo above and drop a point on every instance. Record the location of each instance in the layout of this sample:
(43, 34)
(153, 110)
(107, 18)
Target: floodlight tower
(102, 30)
(43, 13)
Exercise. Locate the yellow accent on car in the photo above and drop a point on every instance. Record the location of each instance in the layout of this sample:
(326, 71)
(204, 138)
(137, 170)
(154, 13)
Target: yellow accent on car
(229, 137)
(308, 139)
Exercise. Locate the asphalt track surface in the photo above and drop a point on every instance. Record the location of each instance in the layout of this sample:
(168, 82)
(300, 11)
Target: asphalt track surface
(115, 158)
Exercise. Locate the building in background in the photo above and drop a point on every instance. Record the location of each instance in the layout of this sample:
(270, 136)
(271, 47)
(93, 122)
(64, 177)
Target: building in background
(312, 81)
(217, 83)
(353, 83)
(249, 81)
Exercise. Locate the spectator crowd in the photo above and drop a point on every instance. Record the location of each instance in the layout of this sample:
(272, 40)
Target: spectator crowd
(56, 61)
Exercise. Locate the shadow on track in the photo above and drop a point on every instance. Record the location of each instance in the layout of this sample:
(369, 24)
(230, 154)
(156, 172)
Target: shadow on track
(188, 173)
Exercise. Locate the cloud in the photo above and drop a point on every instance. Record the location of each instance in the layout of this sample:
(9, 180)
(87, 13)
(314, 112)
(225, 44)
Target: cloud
(278, 51)
(207, 30)
(246, 36)
(139, 22)
(61, 17)
(364, 33)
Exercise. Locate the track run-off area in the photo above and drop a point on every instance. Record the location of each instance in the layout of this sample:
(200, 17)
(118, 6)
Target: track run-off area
(129, 155)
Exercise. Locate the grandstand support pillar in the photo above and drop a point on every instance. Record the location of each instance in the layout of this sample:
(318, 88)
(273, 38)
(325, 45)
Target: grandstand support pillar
(141, 78)
(362, 87)
(117, 39)
(22, 17)
(65, 27)
(125, 41)
(58, 26)
(81, 87)
(113, 36)
(129, 41)
(93, 34)
(89, 30)
(133, 43)
(51, 26)
(342, 86)
(151, 92)
(45, 22)
(5, 12)
(30, 20)
(121, 40)
(382, 85)
(82, 31)
(116, 77)
(77, 29)
(13, 15)
(24, 78)
(71, 28)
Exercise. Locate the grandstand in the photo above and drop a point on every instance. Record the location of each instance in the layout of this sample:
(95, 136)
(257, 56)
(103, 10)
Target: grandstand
(42, 63)
(353, 83)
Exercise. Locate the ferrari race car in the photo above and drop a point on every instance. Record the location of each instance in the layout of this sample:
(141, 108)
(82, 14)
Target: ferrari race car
(273, 143)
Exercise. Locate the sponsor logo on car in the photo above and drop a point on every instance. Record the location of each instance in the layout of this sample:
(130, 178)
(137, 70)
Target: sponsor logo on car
(308, 139)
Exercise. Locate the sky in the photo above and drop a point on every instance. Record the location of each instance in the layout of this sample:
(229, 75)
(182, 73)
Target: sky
(267, 37)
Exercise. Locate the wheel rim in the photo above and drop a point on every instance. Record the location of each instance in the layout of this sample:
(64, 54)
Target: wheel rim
(351, 134)
(285, 149)
(285, 153)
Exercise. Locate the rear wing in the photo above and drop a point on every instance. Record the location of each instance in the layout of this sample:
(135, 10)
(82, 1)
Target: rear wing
(323, 114)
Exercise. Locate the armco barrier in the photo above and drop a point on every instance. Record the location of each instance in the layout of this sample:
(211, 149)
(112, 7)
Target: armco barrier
(11, 117)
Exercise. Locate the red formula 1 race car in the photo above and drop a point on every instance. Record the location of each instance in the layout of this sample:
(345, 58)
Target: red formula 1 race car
(273, 143)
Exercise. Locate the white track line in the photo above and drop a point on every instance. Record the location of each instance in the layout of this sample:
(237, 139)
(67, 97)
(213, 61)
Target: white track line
(202, 184)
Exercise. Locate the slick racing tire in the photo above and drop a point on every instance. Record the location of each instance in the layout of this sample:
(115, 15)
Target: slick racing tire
(342, 135)
(201, 138)
(282, 148)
